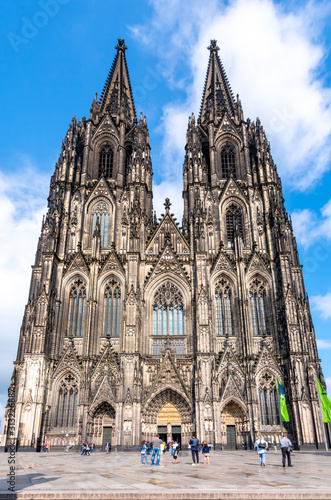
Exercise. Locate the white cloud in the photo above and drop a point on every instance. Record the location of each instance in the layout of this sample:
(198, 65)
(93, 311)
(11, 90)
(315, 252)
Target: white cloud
(271, 58)
(310, 226)
(323, 344)
(322, 304)
(22, 203)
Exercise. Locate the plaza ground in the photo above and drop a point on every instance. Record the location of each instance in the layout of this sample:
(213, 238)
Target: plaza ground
(230, 475)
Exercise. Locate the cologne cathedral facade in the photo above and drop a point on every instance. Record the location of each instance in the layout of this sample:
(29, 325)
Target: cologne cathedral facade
(135, 326)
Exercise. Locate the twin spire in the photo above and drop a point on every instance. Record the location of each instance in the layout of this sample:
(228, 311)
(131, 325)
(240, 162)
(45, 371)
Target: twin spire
(217, 94)
(117, 98)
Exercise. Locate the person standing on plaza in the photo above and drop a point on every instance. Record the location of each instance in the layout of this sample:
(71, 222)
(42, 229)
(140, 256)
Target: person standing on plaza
(285, 446)
(143, 453)
(175, 448)
(107, 447)
(194, 443)
(261, 447)
(274, 444)
(206, 453)
(156, 450)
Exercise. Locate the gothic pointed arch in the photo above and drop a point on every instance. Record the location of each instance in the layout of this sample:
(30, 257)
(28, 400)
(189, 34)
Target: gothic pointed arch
(154, 405)
(100, 209)
(65, 400)
(268, 398)
(260, 296)
(223, 306)
(168, 377)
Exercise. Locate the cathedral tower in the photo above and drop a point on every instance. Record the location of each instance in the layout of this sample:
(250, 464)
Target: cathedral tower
(135, 326)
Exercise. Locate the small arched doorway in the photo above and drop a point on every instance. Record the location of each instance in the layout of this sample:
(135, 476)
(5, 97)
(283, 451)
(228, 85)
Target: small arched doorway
(234, 426)
(169, 423)
(101, 425)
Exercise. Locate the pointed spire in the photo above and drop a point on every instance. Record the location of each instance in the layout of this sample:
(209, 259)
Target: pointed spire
(217, 95)
(117, 96)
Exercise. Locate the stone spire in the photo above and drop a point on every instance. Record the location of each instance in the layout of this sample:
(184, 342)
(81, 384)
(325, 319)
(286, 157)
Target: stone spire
(217, 94)
(116, 97)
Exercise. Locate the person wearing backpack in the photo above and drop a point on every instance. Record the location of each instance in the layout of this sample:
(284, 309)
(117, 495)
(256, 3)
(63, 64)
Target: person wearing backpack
(261, 447)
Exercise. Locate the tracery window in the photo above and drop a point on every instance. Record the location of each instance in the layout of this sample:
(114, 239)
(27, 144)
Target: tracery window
(257, 294)
(228, 162)
(106, 161)
(234, 223)
(101, 215)
(112, 309)
(268, 400)
(67, 402)
(223, 306)
(168, 310)
(77, 300)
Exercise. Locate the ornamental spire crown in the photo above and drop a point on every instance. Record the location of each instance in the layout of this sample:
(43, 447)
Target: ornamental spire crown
(217, 94)
(116, 97)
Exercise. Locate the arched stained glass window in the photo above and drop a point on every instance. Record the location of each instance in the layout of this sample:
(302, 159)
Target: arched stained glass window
(112, 309)
(234, 223)
(168, 310)
(106, 161)
(101, 214)
(67, 402)
(268, 400)
(77, 300)
(257, 294)
(228, 162)
(223, 305)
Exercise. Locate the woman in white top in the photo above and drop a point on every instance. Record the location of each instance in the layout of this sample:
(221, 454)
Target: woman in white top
(261, 447)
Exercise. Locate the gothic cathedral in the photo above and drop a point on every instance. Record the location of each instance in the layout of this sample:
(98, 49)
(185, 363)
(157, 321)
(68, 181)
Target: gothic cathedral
(136, 326)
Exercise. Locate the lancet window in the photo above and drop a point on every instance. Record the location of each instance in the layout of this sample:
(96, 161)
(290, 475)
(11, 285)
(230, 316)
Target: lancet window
(112, 309)
(77, 300)
(268, 400)
(258, 299)
(67, 402)
(106, 161)
(168, 310)
(234, 223)
(101, 216)
(223, 306)
(228, 162)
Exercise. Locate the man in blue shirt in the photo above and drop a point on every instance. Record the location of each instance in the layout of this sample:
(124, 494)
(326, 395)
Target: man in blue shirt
(194, 442)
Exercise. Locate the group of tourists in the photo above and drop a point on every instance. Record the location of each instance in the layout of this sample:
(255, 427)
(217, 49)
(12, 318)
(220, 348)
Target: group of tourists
(87, 448)
(261, 446)
(158, 446)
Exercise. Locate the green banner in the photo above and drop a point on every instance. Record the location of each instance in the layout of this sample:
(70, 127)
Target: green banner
(282, 401)
(325, 402)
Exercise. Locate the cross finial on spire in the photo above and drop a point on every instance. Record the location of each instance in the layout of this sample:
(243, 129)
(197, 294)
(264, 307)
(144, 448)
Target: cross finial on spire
(213, 46)
(167, 204)
(121, 45)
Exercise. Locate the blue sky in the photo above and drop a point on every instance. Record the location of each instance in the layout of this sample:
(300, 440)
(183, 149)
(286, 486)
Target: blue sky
(56, 54)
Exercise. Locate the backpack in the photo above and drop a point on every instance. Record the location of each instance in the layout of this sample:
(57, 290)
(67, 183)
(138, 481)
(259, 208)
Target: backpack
(262, 445)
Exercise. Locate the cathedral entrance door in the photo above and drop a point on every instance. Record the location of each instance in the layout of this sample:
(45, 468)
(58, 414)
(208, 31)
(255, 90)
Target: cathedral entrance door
(169, 423)
(231, 437)
(233, 420)
(106, 436)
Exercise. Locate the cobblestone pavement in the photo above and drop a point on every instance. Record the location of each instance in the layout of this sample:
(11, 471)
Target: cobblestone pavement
(231, 474)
